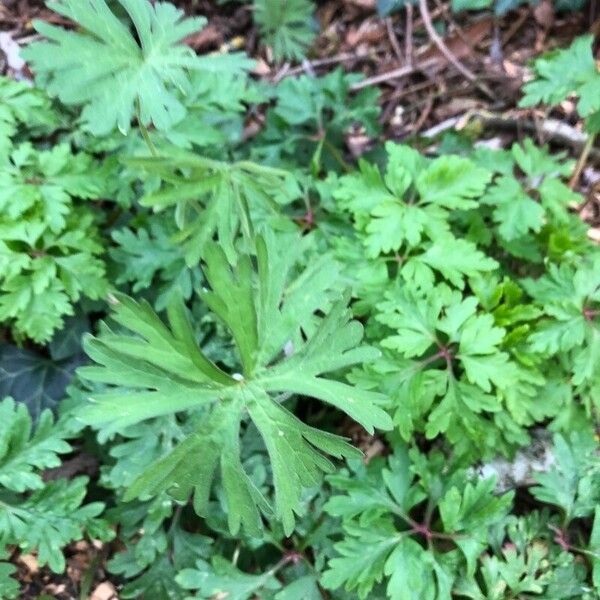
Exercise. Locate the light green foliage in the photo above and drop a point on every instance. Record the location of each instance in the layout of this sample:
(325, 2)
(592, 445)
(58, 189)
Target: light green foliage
(525, 205)
(9, 586)
(434, 531)
(25, 452)
(573, 484)
(22, 106)
(115, 75)
(238, 376)
(450, 363)
(287, 26)
(216, 105)
(310, 118)
(34, 515)
(530, 570)
(466, 355)
(564, 72)
(376, 508)
(50, 518)
(215, 197)
(409, 208)
(570, 298)
(149, 259)
(264, 311)
(223, 578)
(48, 243)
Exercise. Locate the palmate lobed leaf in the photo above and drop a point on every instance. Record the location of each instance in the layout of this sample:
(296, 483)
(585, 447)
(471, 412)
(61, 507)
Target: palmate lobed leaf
(213, 197)
(564, 72)
(412, 201)
(289, 26)
(160, 370)
(113, 75)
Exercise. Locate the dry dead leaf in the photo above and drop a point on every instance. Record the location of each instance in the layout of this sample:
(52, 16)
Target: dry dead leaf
(105, 591)
(209, 37)
(370, 32)
(594, 234)
(31, 563)
(261, 68)
(460, 45)
(366, 4)
(456, 106)
(544, 14)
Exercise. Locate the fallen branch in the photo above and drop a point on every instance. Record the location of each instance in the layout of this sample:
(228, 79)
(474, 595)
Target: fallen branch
(450, 57)
(554, 131)
(394, 74)
(307, 66)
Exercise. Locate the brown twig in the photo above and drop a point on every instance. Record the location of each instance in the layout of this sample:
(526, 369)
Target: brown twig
(324, 62)
(450, 57)
(554, 131)
(408, 40)
(423, 116)
(389, 25)
(514, 28)
(459, 31)
(393, 74)
(585, 152)
(383, 77)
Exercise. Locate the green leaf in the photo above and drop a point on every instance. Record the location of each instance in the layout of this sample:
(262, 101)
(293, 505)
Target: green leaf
(452, 182)
(162, 370)
(452, 373)
(356, 570)
(113, 73)
(50, 518)
(49, 250)
(22, 107)
(573, 482)
(9, 586)
(570, 300)
(456, 259)
(34, 380)
(156, 583)
(221, 578)
(150, 259)
(515, 212)
(305, 587)
(213, 197)
(24, 451)
(458, 5)
(287, 27)
(595, 548)
(564, 72)
(412, 201)
(378, 507)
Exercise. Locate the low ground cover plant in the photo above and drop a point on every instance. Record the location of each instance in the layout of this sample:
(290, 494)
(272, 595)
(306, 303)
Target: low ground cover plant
(237, 309)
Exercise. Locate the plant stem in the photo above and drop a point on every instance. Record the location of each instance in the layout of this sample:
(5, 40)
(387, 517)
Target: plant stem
(337, 155)
(144, 130)
(146, 135)
(581, 161)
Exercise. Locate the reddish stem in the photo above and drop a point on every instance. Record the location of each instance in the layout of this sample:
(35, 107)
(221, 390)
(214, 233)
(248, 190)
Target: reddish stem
(422, 529)
(561, 538)
(589, 314)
